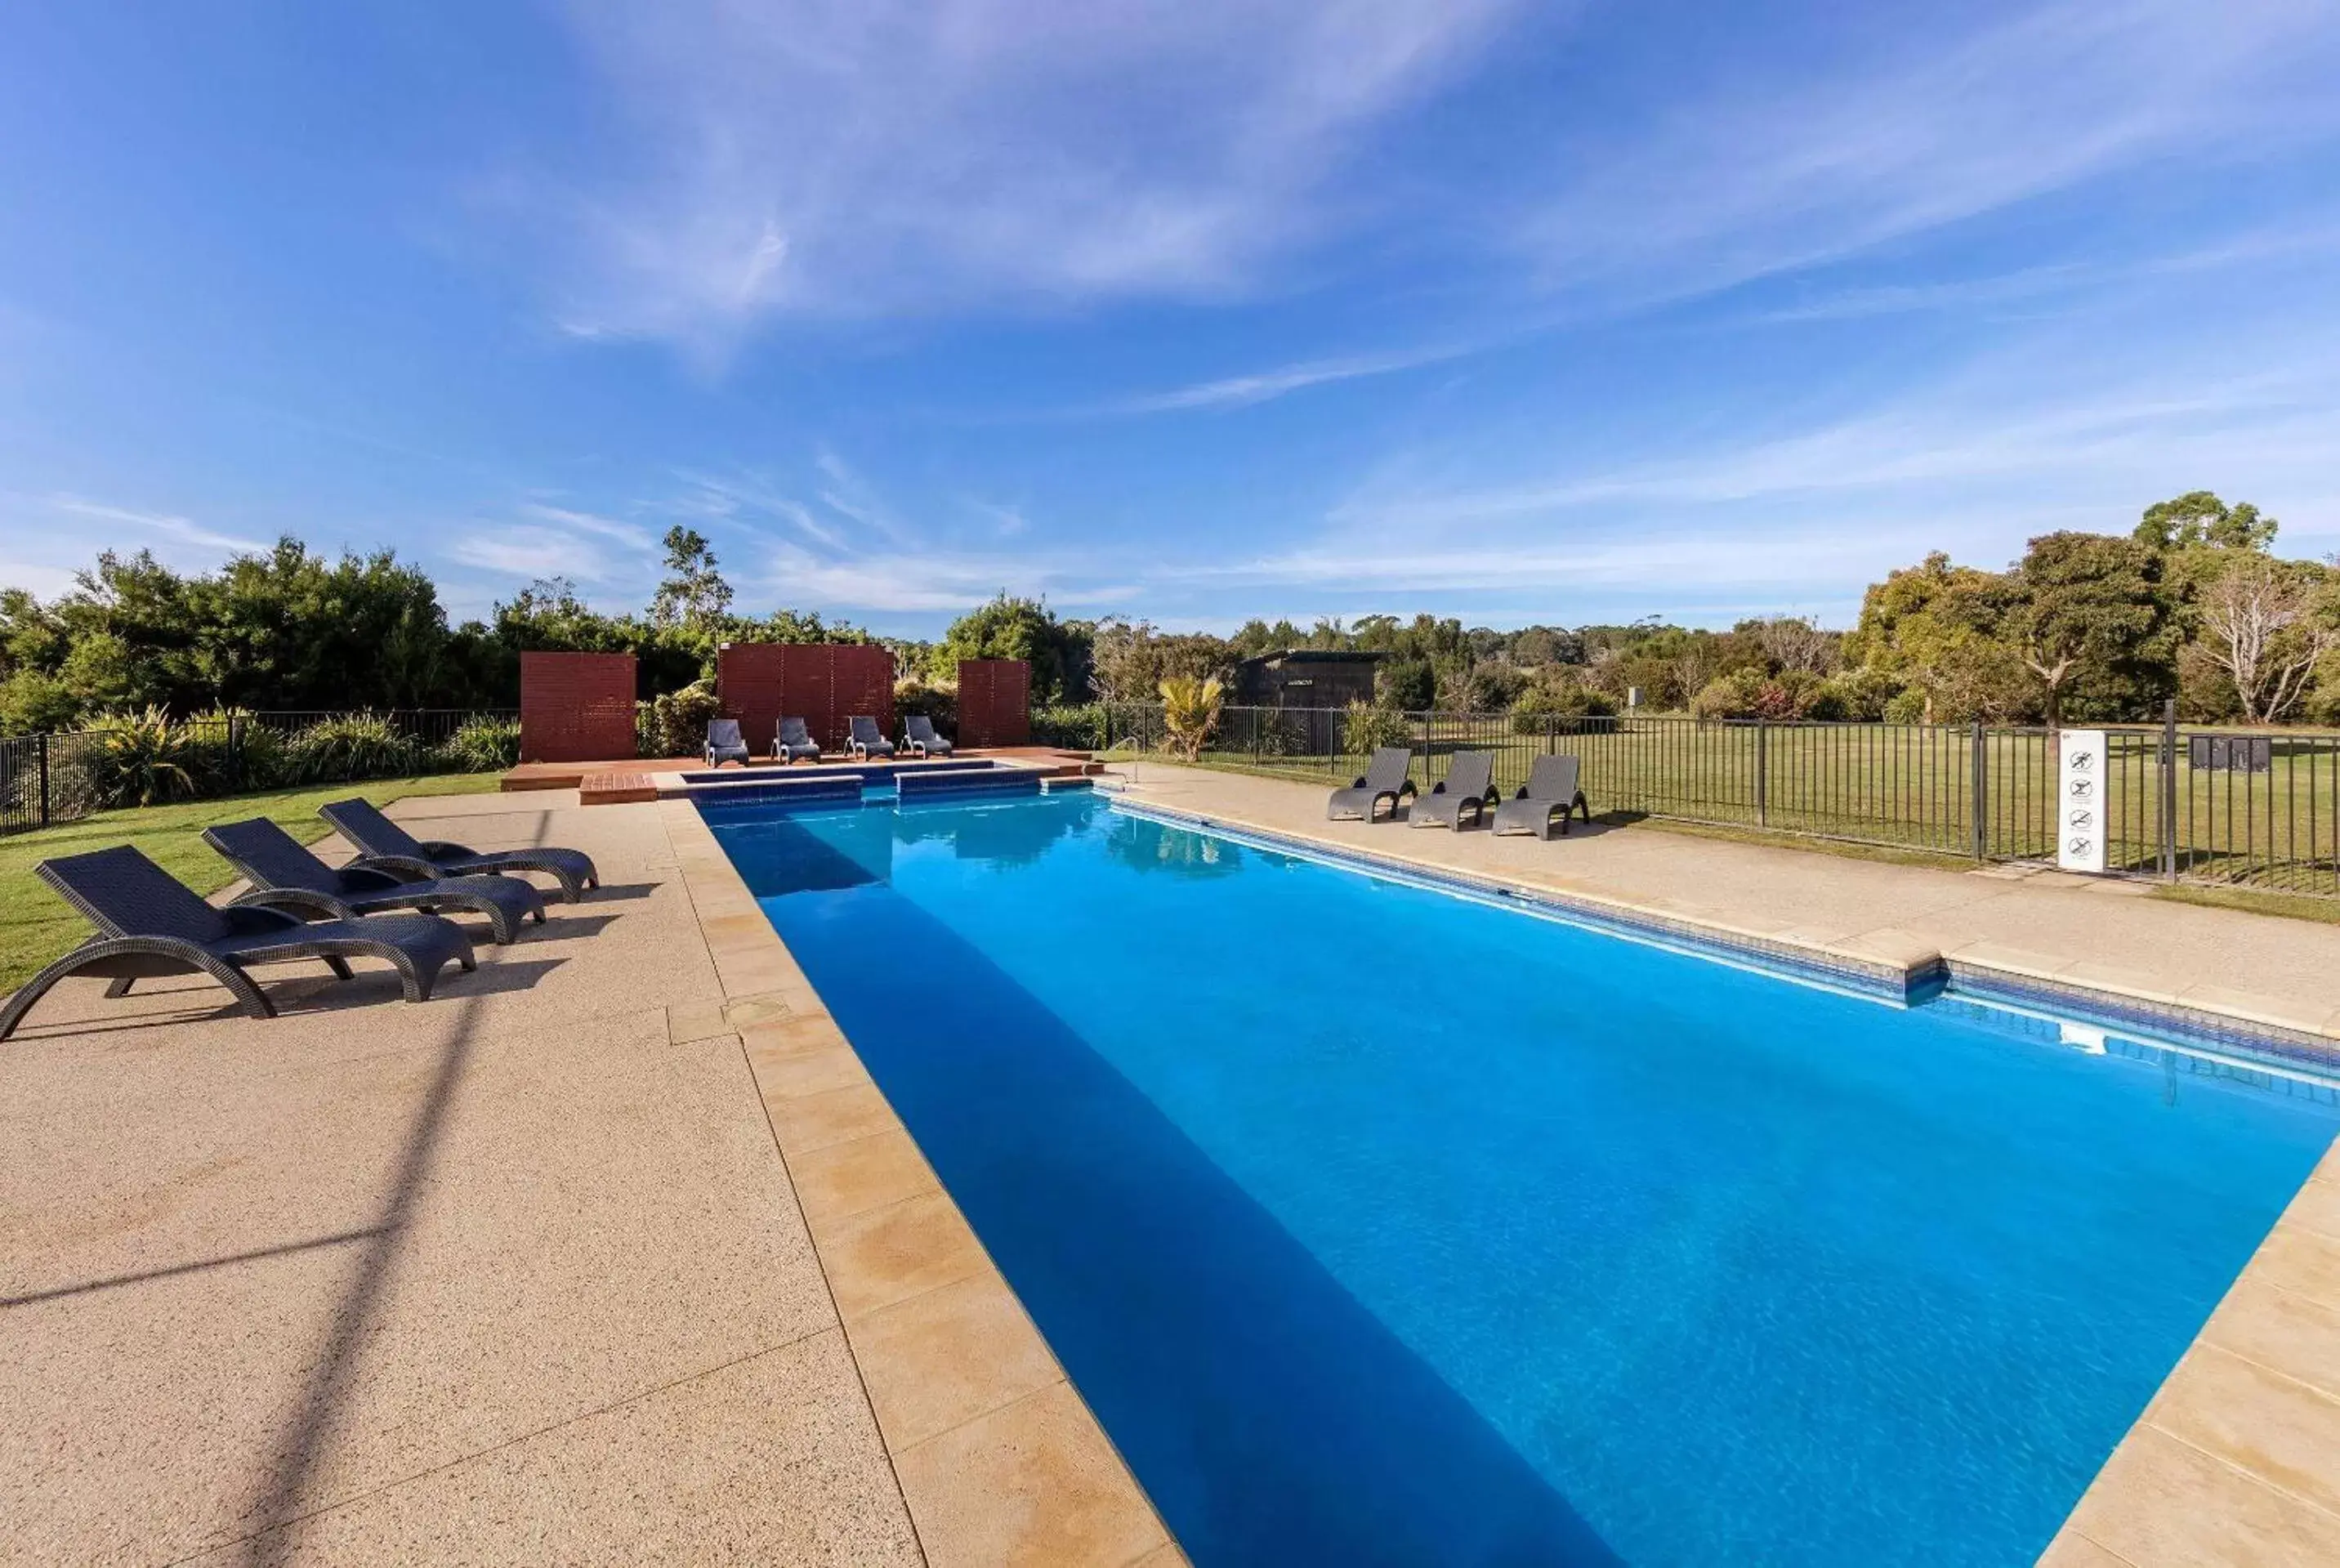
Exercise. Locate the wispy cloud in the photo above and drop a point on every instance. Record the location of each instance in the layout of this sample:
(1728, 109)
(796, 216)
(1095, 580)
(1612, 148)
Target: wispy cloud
(1260, 386)
(927, 582)
(182, 529)
(521, 551)
(857, 156)
(1787, 173)
(631, 535)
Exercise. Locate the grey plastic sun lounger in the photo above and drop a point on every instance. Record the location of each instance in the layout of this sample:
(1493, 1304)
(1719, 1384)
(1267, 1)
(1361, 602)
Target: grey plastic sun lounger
(284, 876)
(867, 740)
(1469, 788)
(149, 923)
(793, 741)
(918, 731)
(1545, 800)
(1384, 778)
(724, 745)
(383, 842)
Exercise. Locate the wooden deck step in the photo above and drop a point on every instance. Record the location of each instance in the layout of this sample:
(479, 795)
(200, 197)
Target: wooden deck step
(616, 789)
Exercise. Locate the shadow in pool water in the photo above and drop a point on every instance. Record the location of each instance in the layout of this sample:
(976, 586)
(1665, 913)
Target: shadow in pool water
(1271, 1416)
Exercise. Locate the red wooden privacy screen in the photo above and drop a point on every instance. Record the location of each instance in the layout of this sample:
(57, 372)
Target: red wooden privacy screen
(576, 706)
(994, 702)
(822, 683)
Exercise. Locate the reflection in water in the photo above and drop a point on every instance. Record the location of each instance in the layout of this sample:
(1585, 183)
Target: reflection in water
(1144, 846)
(1008, 833)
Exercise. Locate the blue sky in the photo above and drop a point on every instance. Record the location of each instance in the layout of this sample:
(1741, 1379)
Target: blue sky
(1192, 310)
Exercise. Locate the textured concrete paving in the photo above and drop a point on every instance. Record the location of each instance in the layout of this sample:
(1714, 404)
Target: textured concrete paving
(2107, 935)
(514, 1275)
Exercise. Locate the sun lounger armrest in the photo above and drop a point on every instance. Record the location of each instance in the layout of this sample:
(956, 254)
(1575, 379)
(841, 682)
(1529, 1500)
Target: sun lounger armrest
(403, 866)
(439, 849)
(364, 878)
(298, 900)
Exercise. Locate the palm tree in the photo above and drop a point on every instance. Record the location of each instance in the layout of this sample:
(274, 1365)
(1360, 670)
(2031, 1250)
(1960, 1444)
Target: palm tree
(1190, 710)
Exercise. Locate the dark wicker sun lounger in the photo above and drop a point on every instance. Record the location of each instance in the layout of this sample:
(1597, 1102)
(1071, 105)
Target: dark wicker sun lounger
(724, 745)
(149, 923)
(867, 740)
(1384, 778)
(383, 842)
(793, 741)
(1545, 800)
(919, 730)
(1469, 787)
(286, 875)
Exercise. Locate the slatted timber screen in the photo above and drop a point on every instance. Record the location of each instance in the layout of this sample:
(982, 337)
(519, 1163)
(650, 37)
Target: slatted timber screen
(822, 683)
(576, 706)
(994, 702)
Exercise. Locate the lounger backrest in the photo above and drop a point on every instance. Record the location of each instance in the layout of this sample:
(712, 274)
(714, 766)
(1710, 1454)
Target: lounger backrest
(368, 830)
(1470, 775)
(723, 734)
(1388, 769)
(864, 729)
(124, 894)
(922, 728)
(271, 856)
(792, 733)
(1553, 778)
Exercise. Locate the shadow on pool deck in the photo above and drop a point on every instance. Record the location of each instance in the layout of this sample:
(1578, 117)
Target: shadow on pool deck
(1270, 1416)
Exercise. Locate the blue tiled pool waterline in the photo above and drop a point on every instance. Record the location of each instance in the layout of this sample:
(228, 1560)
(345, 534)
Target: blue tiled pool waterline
(1383, 1226)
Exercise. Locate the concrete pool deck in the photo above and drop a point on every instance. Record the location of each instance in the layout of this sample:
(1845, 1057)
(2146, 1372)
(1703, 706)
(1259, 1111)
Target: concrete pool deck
(608, 1253)
(613, 1252)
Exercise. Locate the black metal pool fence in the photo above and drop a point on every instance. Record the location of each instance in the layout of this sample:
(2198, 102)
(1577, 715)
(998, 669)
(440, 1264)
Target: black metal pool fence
(2254, 808)
(57, 778)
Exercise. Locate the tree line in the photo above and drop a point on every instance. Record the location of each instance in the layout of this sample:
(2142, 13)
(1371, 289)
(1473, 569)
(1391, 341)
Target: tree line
(2192, 603)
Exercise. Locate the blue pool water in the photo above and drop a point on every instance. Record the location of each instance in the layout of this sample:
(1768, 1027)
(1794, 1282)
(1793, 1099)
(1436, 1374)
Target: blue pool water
(1381, 1226)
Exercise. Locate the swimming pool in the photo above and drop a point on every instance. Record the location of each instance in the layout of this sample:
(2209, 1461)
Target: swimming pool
(1381, 1226)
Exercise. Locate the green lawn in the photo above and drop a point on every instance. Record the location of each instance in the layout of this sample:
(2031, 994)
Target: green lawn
(37, 926)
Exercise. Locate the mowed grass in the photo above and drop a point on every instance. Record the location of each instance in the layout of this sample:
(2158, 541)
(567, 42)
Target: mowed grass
(37, 926)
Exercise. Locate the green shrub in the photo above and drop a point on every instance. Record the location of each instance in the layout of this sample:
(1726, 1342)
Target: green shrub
(137, 759)
(1751, 694)
(210, 749)
(481, 744)
(1859, 694)
(350, 746)
(674, 723)
(1907, 708)
(1078, 726)
(32, 702)
(939, 703)
(1369, 726)
(1547, 700)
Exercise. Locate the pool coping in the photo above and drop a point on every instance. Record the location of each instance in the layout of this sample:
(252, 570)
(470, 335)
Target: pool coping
(997, 1456)
(2236, 1460)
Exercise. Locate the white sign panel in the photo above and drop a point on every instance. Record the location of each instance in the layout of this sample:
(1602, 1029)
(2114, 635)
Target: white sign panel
(2080, 802)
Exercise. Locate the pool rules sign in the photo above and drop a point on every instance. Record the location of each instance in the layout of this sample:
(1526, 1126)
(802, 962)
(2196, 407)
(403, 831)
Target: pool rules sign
(2080, 802)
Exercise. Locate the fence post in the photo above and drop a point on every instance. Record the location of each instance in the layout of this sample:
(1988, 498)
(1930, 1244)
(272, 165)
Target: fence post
(44, 779)
(1762, 771)
(1980, 806)
(235, 750)
(2169, 789)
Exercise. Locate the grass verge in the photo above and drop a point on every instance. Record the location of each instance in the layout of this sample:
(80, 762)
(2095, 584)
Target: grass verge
(1842, 848)
(2290, 906)
(37, 926)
